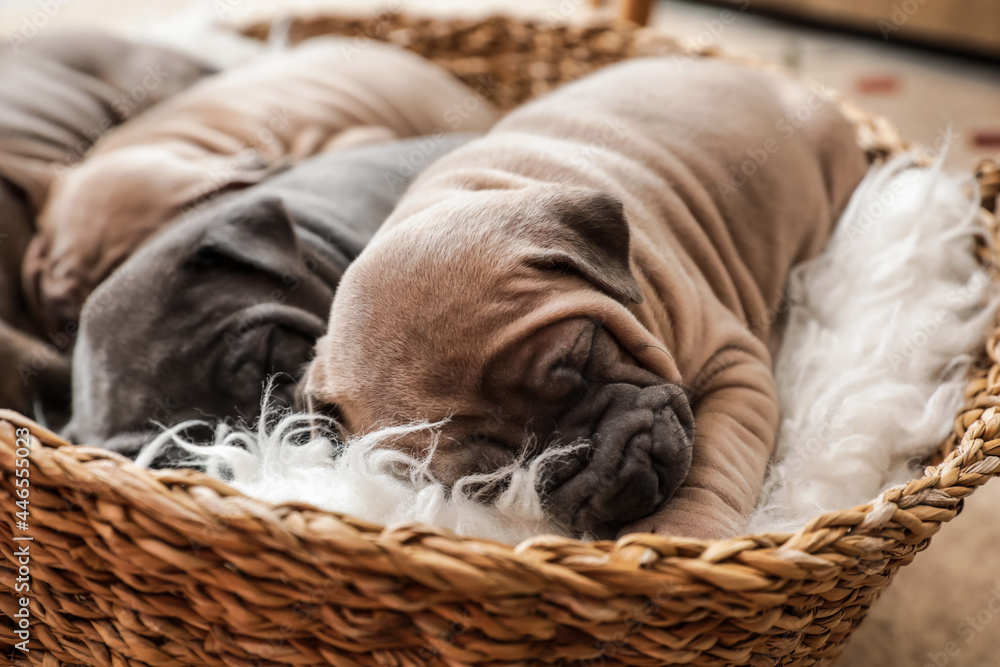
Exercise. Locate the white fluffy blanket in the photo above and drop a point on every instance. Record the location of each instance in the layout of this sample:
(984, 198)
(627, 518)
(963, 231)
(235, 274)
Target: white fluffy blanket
(880, 335)
(881, 329)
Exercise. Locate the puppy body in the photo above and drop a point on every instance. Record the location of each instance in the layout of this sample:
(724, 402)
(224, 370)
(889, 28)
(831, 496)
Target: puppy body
(192, 326)
(591, 270)
(61, 93)
(231, 131)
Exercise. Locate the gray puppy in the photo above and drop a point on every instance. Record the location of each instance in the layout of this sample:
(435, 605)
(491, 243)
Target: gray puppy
(194, 324)
(61, 93)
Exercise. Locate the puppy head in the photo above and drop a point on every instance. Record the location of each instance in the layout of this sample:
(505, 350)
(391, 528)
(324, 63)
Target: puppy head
(194, 324)
(99, 213)
(507, 313)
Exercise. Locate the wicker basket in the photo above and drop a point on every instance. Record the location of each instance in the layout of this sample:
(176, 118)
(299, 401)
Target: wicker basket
(173, 568)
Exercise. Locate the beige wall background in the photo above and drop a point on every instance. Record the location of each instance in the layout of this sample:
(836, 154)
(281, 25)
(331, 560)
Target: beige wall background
(969, 24)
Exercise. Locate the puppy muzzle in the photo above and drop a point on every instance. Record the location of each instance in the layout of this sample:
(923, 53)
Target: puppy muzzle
(639, 448)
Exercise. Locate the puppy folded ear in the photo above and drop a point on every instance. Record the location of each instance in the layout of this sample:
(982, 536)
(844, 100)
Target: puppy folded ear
(590, 238)
(258, 233)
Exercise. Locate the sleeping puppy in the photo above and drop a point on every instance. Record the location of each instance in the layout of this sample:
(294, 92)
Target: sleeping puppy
(64, 91)
(231, 131)
(61, 92)
(597, 270)
(193, 324)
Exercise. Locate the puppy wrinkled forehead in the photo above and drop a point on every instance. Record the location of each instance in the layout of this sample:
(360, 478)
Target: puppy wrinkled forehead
(430, 313)
(470, 225)
(452, 255)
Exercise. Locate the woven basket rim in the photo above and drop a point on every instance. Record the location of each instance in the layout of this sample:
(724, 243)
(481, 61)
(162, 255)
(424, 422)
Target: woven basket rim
(802, 548)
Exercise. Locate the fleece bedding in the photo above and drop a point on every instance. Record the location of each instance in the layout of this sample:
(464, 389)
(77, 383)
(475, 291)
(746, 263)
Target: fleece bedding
(880, 331)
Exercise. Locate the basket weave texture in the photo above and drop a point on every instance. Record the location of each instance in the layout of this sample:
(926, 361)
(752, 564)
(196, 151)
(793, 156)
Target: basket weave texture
(173, 568)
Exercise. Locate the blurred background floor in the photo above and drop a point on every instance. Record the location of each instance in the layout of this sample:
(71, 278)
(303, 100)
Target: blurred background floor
(942, 611)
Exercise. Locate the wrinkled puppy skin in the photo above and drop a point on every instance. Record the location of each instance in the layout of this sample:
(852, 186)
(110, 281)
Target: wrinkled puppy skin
(65, 90)
(592, 269)
(141, 74)
(61, 92)
(195, 323)
(229, 132)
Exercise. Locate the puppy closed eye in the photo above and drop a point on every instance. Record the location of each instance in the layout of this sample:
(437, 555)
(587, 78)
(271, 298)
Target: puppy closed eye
(563, 379)
(564, 382)
(331, 417)
(331, 411)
